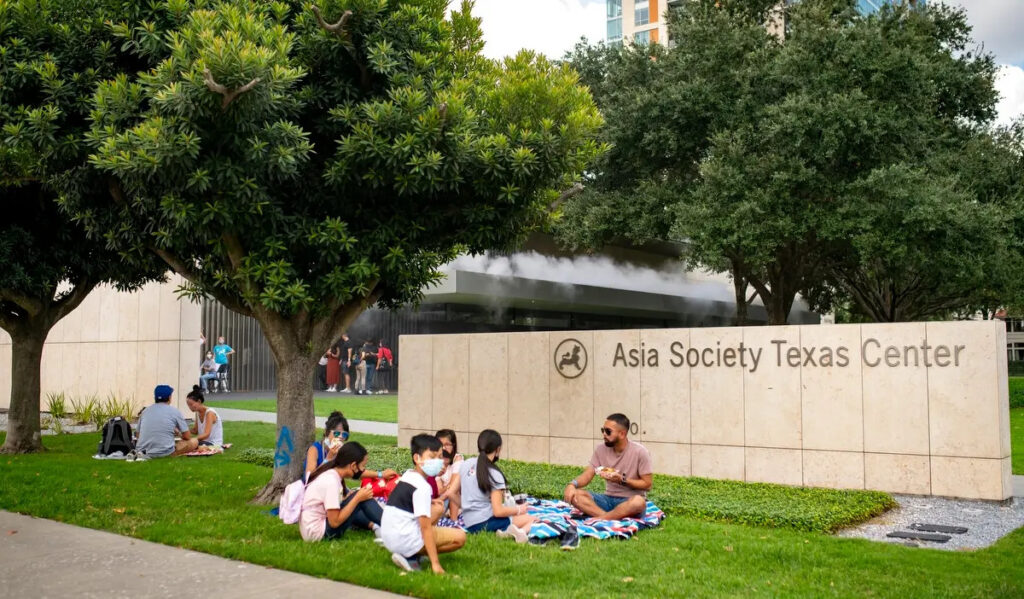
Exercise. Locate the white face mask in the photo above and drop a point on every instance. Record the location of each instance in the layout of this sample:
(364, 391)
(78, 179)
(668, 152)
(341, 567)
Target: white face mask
(433, 467)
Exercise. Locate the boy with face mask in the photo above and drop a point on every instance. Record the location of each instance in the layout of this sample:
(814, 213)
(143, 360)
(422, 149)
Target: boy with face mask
(408, 528)
(209, 372)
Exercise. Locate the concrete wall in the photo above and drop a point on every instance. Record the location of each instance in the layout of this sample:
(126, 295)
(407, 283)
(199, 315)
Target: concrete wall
(855, 415)
(122, 343)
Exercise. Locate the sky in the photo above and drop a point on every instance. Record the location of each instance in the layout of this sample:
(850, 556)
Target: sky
(554, 26)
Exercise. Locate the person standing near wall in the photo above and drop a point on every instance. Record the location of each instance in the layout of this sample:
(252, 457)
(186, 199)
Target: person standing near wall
(385, 366)
(347, 349)
(333, 368)
(369, 356)
(221, 351)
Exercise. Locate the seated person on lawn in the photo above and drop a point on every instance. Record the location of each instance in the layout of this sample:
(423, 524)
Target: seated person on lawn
(408, 528)
(625, 467)
(158, 425)
(335, 435)
(328, 508)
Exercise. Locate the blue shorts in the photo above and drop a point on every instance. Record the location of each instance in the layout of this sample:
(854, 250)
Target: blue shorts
(607, 503)
(492, 524)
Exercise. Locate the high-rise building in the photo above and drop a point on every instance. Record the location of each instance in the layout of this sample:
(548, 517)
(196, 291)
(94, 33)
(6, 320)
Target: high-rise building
(644, 21)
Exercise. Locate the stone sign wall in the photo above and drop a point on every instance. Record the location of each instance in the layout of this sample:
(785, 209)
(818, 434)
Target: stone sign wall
(909, 408)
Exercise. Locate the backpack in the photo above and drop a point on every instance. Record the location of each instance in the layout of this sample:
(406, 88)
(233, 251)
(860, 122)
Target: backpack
(116, 436)
(290, 506)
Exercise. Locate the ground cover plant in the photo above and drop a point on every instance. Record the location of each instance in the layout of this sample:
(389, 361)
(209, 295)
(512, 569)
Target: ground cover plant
(685, 557)
(376, 408)
(1016, 392)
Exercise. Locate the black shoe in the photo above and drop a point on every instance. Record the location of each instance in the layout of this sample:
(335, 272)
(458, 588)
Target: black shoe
(536, 541)
(570, 540)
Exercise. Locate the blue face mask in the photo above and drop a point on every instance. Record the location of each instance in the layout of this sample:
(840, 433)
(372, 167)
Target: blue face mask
(433, 467)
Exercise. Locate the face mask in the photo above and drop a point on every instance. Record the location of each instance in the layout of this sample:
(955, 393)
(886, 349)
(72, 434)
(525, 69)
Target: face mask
(357, 474)
(433, 467)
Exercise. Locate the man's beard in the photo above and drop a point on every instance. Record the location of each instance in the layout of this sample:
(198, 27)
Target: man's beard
(609, 443)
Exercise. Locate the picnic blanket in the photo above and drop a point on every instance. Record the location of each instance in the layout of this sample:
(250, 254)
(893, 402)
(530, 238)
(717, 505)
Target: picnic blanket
(558, 516)
(204, 451)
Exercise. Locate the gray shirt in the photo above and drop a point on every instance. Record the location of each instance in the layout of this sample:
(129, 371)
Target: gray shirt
(476, 506)
(157, 427)
(210, 366)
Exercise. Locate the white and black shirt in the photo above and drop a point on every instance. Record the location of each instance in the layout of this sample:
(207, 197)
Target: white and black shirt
(400, 525)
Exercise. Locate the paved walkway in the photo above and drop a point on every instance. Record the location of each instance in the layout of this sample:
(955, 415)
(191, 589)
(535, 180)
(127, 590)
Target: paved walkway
(43, 558)
(356, 426)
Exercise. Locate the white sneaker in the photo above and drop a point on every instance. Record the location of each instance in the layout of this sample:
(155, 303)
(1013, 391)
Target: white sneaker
(513, 532)
(405, 564)
(345, 390)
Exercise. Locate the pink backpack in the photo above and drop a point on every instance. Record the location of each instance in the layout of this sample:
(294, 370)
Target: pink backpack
(290, 506)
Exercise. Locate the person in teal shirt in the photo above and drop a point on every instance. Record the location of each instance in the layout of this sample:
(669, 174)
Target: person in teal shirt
(221, 351)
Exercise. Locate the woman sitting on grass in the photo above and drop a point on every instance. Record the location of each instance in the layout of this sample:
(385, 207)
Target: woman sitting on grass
(328, 508)
(208, 427)
(483, 493)
(335, 434)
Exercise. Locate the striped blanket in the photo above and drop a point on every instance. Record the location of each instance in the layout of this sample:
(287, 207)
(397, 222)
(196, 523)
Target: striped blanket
(557, 516)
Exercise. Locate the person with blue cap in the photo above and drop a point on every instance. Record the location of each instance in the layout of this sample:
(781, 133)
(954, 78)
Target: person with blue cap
(158, 426)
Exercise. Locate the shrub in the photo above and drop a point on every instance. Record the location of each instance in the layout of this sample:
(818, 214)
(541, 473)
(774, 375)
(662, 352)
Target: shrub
(84, 411)
(56, 405)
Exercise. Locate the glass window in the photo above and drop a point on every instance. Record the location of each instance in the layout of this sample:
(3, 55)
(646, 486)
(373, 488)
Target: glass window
(614, 29)
(1014, 325)
(642, 12)
(642, 38)
(614, 9)
(1015, 352)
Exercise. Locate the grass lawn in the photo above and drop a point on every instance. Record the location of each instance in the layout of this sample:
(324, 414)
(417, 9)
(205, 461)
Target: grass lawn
(1017, 439)
(202, 504)
(379, 409)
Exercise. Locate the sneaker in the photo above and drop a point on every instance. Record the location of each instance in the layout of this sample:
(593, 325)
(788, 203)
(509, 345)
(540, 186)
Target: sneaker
(405, 564)
(130, 457)
(570, 540)
(377, 532)
(513, 532)
(345, 390)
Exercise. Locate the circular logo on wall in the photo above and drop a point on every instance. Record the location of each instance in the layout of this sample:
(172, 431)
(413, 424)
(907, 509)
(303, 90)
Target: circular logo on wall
(570, 358)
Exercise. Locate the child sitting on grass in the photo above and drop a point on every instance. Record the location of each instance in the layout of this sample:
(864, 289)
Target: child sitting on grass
(407, 526)
(483, 493)
(452, 459)
(325, 515)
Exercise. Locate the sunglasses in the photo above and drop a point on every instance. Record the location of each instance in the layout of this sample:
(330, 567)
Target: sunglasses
(607, 431)
(342, 434)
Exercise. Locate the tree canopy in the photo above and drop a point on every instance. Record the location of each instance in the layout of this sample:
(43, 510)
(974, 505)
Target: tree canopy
(819, 161)
(300, 163)
(52, 56)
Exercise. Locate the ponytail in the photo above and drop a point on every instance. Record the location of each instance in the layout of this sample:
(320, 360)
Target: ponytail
(350, 453)
(488, 442)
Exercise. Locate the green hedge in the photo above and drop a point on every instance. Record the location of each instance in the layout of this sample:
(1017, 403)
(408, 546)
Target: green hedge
(776, 506)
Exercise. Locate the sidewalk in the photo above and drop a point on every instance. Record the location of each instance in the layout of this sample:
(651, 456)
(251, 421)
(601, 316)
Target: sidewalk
(356, 426)
(44, 558)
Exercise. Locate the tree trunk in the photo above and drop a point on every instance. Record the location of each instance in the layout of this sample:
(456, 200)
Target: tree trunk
(23, 432)
(296, 423)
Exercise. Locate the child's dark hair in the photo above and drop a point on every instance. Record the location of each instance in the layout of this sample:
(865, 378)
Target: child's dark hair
(196, 394)
(424, 442)
(349, 453)
(488, 442)
(333, 421)
(447, 433)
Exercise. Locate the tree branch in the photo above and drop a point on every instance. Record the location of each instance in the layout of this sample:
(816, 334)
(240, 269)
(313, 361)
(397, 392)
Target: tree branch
(74, 298)
(573, 191)
(229, 95)
(31, 305)
(189, 273)
(340, 29)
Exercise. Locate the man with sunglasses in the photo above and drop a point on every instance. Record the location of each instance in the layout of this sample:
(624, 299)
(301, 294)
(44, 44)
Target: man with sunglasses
(626, 469)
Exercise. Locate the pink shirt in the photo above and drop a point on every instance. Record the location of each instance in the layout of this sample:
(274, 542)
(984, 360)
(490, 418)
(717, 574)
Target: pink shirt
(322, 494)
(634, 462)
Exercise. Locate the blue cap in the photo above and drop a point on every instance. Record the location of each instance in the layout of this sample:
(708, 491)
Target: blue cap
(163, 392)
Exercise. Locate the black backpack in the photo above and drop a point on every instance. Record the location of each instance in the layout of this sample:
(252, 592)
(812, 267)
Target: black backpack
(116, 436)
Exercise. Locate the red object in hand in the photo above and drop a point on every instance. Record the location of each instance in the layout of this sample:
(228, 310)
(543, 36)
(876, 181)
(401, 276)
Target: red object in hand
(381, 487)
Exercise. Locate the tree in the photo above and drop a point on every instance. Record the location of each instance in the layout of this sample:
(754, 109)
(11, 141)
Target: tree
(300, 163)
(47, 264)
(799, 133)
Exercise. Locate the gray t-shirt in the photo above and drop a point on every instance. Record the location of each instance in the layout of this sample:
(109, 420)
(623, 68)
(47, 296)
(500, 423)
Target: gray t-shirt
(157, 427)
(476, 506)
